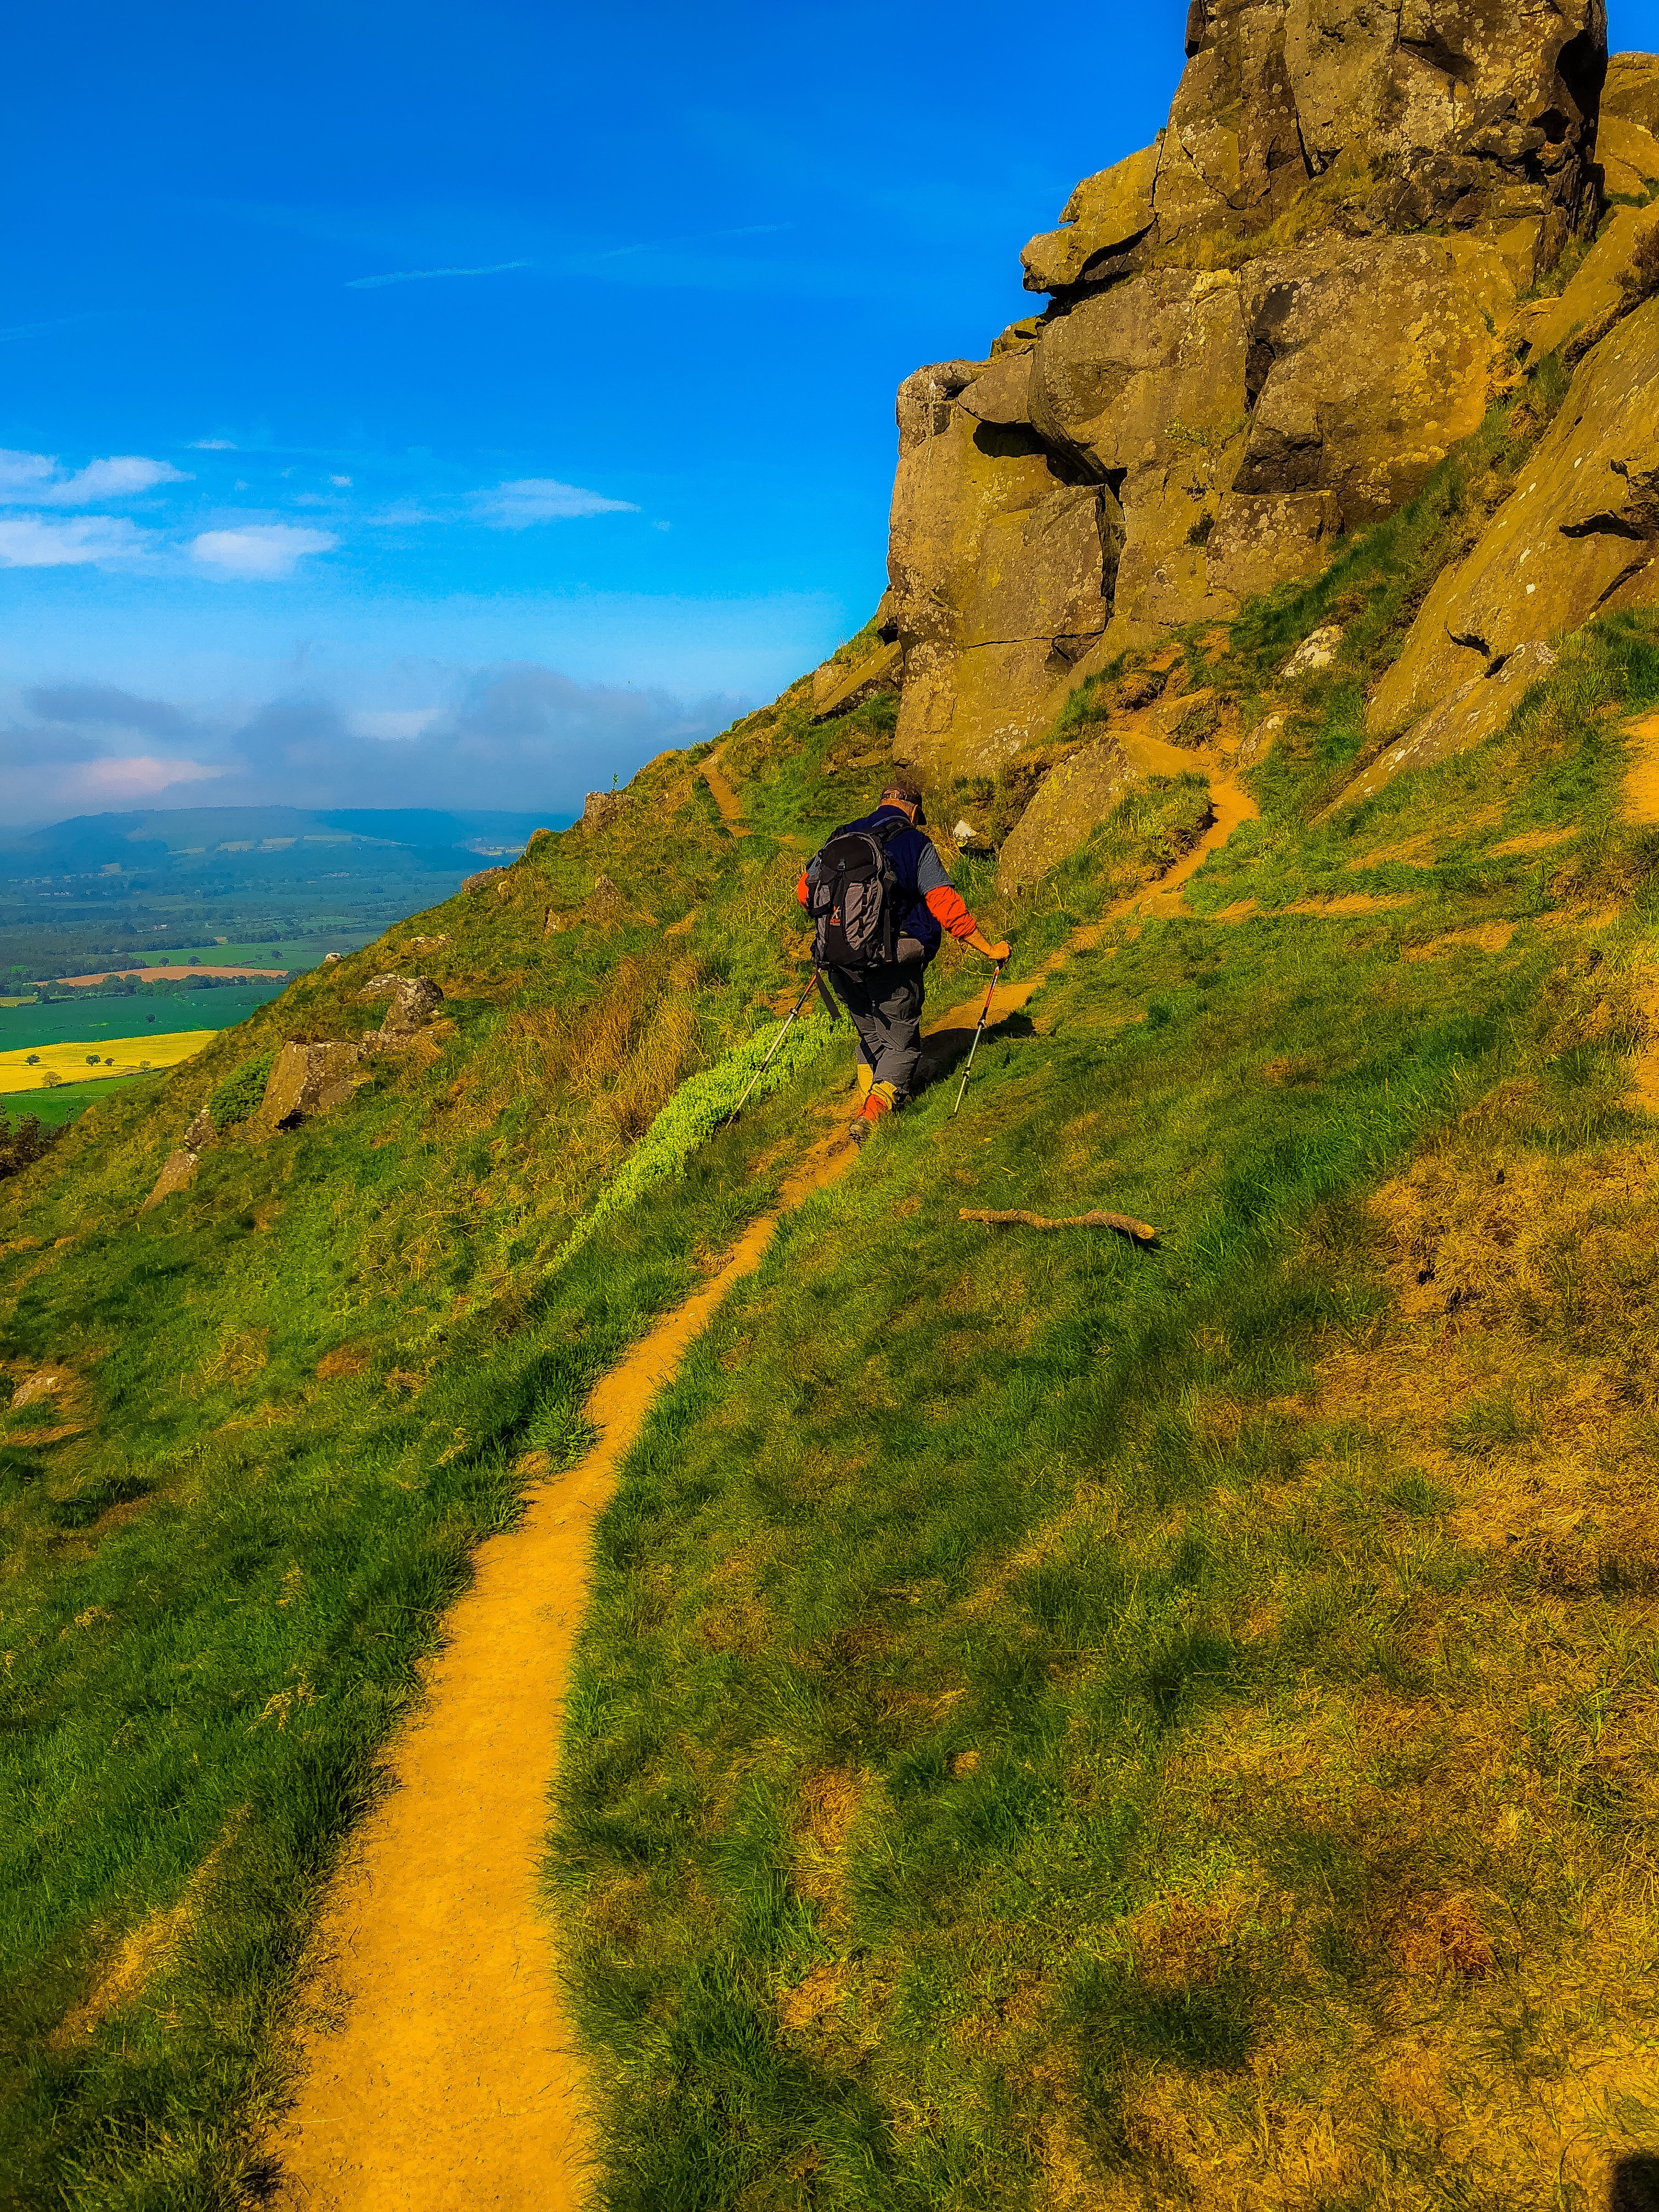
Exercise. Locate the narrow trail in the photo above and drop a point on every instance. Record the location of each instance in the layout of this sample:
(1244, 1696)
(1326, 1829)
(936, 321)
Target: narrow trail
(1642, 806)
(445, 2076)
(723, 795)
(451, 2081)
(1642, 779)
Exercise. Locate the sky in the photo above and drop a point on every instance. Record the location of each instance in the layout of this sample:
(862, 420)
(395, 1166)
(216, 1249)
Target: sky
(455, 405)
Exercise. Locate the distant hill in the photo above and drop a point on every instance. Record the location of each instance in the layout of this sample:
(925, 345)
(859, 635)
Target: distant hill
(153, 835)
(100, 886)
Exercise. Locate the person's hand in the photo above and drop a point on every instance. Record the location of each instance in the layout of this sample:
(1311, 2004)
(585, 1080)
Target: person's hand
(998, 952)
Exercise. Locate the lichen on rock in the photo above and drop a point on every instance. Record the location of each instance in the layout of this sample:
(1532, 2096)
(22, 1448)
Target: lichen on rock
(1265, 330)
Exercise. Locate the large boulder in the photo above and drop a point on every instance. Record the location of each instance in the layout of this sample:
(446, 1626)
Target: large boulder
(1631, 93)
(1072, 800)
(1579, 532)
(1102, 222)
(840, 685)
(307, 1079)
(601, 808)
(415, 999)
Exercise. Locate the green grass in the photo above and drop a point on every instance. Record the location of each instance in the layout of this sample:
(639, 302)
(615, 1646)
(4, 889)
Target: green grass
(224, 1566)
(903, 1821)
(1038, 1692)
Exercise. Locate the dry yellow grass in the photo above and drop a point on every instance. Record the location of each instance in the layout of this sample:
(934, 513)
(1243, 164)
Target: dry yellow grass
(68, 1063)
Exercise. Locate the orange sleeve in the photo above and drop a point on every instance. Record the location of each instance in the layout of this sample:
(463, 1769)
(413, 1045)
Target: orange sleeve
(801, 889)
(946, 907)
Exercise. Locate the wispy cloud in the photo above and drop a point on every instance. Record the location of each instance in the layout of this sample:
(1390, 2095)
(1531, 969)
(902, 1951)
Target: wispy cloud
(213, 445)
(56, 323)
(425, 275)
(35, 541)
(691, 238)
(37, 480)
(530, 500)
(261, 552)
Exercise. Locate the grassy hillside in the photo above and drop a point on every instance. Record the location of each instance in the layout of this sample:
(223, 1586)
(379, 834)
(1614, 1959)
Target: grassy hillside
(1059, 1723)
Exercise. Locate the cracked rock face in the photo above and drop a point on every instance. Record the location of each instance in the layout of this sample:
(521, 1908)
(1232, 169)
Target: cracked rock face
(1579, 533)
(1478, 113)
(1265, 330)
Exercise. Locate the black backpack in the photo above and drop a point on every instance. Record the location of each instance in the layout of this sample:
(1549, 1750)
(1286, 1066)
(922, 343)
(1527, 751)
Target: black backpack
(855, 902)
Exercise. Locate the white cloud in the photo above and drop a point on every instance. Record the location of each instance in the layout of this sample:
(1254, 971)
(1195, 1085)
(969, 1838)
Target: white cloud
(266, 551)
(138, 776)
(40, 787)
(529, 500)
(422, 276)
(212, 446)
(34, 541)
(36, 479)
(343, 483)
(394, 725)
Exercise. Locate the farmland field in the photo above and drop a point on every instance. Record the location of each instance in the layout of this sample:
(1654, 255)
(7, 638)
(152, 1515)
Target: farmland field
(114, 1056)
(31, 1027)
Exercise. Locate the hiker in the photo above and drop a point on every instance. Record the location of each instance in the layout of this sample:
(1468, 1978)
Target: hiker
(881, 902)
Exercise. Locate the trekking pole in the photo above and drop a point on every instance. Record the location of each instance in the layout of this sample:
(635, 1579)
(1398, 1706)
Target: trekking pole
(767, 1062)
(984, 1015)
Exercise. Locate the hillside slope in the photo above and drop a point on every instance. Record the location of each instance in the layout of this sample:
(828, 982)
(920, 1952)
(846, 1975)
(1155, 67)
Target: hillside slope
(1084, 1680)
(1060, 1723)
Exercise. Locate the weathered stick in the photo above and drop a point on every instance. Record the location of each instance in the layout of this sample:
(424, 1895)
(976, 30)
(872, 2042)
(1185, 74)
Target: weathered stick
(1138, 1233)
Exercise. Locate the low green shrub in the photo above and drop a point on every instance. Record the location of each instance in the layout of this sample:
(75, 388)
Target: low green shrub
(237, 1098)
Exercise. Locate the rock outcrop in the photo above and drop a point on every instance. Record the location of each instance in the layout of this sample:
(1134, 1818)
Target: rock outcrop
(601, 808)
(1265, 330)
(1580, 534)
(1478, 707)
(415, 1000)
(309, 1080)
(1479, 114)
(177, 1171)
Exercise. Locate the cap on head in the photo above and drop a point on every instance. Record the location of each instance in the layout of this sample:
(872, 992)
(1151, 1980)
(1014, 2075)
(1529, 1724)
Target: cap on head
(907, 792)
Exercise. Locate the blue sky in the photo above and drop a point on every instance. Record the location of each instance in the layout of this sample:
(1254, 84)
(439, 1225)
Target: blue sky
(442, 404)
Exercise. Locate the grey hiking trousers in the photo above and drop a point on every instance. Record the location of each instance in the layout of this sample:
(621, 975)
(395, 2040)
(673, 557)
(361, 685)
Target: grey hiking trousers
(885, 1004)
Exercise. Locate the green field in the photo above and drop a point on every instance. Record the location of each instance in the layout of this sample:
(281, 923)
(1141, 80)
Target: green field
(55, 1107)
(25, 1027)
(1059, 1722)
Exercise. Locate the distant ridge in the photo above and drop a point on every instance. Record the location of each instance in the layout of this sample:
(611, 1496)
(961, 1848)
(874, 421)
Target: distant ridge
(95, 839)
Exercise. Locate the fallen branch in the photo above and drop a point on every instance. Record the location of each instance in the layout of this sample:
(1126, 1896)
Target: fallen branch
(1138, 1233)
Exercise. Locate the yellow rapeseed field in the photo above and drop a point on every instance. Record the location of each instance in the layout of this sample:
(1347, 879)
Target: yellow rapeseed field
(69, 1063)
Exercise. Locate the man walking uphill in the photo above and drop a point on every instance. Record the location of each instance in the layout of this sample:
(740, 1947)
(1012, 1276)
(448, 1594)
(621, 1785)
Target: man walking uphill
(880, 902)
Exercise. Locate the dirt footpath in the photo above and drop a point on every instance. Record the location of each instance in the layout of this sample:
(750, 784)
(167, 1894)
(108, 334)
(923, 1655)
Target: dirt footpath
(446, 2080)
(450, 2080)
